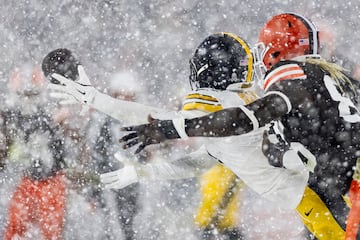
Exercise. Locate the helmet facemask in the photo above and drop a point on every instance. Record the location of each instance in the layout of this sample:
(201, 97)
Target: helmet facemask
(259, 50)
(194, 74)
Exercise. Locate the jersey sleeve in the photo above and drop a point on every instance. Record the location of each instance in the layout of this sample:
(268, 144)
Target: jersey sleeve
(129, 113)
(212, 101)
(188, 166)
(239, 120)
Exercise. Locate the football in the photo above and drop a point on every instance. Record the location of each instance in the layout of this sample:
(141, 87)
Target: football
(61, 61)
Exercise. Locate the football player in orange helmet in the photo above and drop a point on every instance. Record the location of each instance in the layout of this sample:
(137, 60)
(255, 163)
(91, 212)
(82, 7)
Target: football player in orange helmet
(289, 36)
(314, 100)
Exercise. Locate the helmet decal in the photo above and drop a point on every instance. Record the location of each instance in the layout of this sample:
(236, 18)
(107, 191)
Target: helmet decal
(248, 53)
(313, 33)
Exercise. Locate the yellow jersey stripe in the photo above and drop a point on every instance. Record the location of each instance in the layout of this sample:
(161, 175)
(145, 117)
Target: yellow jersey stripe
(197, 101)
(201, 96)
(201, 106)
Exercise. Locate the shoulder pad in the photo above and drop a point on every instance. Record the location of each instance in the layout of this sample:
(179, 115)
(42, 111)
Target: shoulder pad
(288, 70)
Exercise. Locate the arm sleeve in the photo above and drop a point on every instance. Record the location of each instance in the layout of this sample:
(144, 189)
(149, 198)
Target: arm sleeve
(237, 121)
(129, 113)
(191, 165)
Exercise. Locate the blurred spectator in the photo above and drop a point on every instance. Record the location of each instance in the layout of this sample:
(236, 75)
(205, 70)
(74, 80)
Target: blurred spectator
(32, 146)
(87, 215)
(104, 137)
(46, 149)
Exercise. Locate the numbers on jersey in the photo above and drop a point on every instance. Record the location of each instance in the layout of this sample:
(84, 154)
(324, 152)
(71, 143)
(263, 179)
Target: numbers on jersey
(347, 109)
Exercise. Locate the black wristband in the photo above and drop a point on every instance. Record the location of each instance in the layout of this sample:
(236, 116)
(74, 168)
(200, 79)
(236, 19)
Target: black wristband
(168, 129)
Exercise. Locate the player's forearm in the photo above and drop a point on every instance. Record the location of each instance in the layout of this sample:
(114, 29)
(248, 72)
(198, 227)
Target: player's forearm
(191, 165)
(239, 120)
(125, 111)
(227, 122)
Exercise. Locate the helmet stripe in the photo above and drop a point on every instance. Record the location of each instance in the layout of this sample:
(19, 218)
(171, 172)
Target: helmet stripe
(248, 53)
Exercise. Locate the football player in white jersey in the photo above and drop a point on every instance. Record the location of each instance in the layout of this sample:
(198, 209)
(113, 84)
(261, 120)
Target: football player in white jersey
(234, 152)
(222, 76)
(314, 100)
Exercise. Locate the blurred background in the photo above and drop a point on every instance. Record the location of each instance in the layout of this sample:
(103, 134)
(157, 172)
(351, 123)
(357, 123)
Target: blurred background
(154, 38)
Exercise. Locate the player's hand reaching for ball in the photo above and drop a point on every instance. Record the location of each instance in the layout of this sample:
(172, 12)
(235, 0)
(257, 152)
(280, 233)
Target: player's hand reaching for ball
(69, 91)
(68, 81)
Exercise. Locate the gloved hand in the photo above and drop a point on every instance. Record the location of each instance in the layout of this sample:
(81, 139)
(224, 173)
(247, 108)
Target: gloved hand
(70, 92)
(120, 178)
(154, 132)
(297, 156)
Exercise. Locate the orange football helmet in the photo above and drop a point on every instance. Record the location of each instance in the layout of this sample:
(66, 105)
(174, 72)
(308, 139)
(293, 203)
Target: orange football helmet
(286, 36)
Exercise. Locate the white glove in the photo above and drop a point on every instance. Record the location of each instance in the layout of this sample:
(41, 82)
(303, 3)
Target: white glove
(298, 156)
(120, 178)
(70, 92)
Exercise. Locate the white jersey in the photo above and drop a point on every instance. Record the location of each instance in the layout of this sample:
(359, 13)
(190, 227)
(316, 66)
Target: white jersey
(242, 154)
(127, 112)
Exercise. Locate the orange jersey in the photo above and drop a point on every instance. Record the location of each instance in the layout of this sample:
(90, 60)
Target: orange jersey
(37, 202)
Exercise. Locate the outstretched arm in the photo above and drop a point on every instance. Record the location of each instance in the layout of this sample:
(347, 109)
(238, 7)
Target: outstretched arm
(125, 111)
(188, 166)
(241, 120)
(68, 91)
(227, 122)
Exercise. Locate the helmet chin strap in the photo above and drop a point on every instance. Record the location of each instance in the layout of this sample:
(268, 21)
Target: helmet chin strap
(246, 86)
(239, 86)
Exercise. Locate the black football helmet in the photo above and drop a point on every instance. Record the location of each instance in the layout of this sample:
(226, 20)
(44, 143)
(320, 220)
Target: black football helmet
(61, 61)
(222, 59)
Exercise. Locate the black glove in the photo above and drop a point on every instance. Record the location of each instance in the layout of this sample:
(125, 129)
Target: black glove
(154, 132)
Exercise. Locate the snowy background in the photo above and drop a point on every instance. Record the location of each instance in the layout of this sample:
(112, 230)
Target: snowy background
(154, 39)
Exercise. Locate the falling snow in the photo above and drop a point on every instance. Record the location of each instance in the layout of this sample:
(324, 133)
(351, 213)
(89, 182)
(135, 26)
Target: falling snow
(153, 40)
